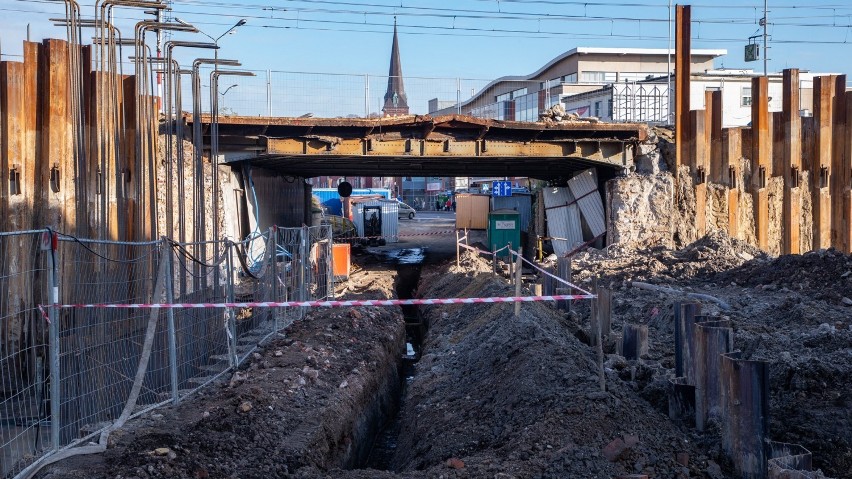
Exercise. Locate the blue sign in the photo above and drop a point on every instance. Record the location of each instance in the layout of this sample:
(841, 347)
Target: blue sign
(501, 188)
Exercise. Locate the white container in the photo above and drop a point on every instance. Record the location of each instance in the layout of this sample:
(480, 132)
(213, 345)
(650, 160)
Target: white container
(390, 217)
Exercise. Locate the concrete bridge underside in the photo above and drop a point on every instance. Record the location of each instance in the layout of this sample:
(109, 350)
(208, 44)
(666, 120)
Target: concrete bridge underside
(453, 145)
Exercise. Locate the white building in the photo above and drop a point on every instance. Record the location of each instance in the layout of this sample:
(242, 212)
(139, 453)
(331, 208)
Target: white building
(648, 101)
(582, 69)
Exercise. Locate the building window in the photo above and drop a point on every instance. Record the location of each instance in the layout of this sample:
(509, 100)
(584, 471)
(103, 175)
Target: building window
(511, 95)
(746, 96)
(598, 109)
(598, 77)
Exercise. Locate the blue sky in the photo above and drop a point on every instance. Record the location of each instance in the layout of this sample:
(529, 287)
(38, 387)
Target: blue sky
(469, 39)
(473, 38)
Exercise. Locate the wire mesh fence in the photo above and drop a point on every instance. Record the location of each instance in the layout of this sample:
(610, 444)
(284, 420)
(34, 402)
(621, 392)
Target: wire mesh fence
(24, 362)
(69, 374)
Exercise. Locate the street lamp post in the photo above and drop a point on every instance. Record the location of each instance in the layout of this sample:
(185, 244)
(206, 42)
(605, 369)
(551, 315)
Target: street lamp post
(216, 40)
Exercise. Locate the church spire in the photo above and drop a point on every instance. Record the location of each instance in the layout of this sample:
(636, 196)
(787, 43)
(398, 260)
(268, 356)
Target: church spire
(396, 102)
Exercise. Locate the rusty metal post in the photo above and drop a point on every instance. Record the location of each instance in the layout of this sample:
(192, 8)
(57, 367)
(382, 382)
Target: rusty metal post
(745, 403)
(684, 326)
(712, 339)
(839, 158)
(846, 173)
(634, 341)
(792, 160)
(731, 154)
(821, 166)
(699, 150)
(563, 270)
(601, 317)
(714, 164)
(761, 158)
(458, 250)
(519, 267)
(683, 65)
(681, 397)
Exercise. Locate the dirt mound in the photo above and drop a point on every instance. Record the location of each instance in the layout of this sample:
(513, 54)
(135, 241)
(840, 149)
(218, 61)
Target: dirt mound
(828, 273)
(304, 401)
(519, 397)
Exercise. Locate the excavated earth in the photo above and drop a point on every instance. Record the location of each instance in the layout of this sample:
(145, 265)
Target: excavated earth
(498, 396)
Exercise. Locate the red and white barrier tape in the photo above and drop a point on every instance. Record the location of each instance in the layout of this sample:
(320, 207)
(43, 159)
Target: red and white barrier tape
(325, 304)
(408, 235)
(557, 278)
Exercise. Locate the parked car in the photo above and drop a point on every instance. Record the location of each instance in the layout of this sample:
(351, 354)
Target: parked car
(405, 211)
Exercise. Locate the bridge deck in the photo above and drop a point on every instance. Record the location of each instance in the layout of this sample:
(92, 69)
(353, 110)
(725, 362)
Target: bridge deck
(452, 145)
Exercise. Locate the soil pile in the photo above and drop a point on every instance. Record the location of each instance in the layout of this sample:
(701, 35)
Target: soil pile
(793, 311)
(519, 397)
(303, 401)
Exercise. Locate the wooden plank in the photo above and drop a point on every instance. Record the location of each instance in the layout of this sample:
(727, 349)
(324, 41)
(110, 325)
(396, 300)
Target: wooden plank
(683, 46)
(18, 192)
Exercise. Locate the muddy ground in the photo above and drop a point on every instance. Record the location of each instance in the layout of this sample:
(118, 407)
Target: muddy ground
(499, 396)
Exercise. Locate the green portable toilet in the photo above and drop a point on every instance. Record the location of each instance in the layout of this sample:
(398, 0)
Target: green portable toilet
(504, 227)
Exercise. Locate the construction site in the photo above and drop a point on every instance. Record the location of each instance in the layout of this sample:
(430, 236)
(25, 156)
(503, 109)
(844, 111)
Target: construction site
(181, 298)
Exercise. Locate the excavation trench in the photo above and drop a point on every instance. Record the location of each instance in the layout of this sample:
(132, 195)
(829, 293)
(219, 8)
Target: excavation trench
(385, 409)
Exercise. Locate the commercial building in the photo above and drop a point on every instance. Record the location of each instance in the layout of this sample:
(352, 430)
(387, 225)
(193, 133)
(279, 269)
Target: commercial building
(577, 71)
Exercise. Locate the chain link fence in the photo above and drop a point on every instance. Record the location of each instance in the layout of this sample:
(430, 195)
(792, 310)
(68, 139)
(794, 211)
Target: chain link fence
(72, 374)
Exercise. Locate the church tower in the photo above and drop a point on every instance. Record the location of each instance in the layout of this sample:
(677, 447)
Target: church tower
(396, 103)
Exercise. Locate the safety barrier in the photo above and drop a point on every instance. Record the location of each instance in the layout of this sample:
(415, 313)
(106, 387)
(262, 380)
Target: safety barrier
(71, 376)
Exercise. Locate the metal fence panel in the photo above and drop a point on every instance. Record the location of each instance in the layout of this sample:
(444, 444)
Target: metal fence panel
(72, 373)
(24, 363)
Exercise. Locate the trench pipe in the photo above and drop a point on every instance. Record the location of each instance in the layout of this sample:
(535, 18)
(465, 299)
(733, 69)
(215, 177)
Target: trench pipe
(214, 146)
(168, 94)
(145, 136)
(200, 233)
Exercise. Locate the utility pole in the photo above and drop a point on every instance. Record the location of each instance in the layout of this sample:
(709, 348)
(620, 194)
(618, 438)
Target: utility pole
(765, 21)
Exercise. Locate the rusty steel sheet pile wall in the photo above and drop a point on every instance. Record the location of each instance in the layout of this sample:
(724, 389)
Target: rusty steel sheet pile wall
(784, 183)
(68, 153)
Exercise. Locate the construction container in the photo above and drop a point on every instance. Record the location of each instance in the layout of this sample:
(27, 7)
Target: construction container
(330, 198)
(472, 211)
(504, 229)
(389, 217)
(520, 202)
(341, 254)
